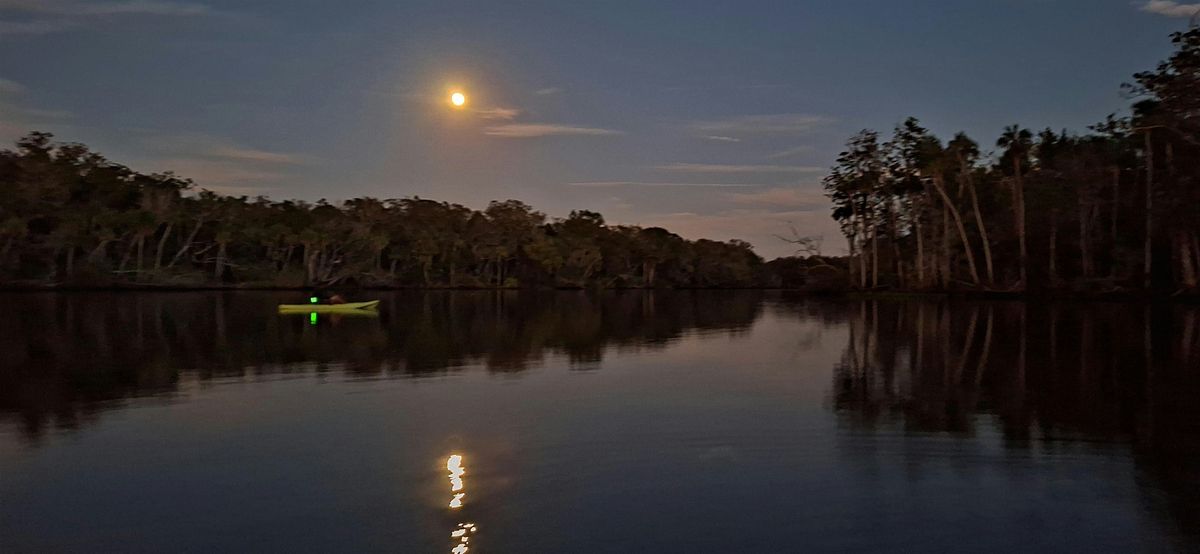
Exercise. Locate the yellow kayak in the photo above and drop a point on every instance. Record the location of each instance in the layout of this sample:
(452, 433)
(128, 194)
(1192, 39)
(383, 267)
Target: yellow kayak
(350, 307)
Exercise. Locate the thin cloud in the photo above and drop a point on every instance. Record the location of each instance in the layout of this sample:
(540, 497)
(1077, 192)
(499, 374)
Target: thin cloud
(785, 123)
(127, 7)
(218, 148)
(33, 28)
(1171, 9)
(731, 168)
(254, 155)
(547, 91)
(720, 138)
(47, 114)
(783, 197)
(759, 226)
(217, 173)
(11, 87)
(504, 114)
(789, 152)
(657, 184)
(20, 118)
(534, 130)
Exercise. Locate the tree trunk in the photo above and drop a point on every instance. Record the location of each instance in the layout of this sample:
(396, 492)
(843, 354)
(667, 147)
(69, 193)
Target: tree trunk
(70, 260)
(893, 233)
(962, 230)
(863, 272)
(1086, 212)
(217, 273)
(946, 270)
(125, 257)
(920, 254)
(141, 255)
(99, 253)
(1116, 211)
(186, 244)
(162, 242)
(874, 254)
(1019, 210)
(1187, 268)
(1147, 258)
(983, 236)
(1054, 248)
(310, 263)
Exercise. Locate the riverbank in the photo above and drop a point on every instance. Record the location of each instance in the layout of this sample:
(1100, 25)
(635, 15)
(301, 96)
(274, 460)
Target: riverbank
(1188, 297)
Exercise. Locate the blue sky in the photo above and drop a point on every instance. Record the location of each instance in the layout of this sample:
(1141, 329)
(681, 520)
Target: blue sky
(713, 119)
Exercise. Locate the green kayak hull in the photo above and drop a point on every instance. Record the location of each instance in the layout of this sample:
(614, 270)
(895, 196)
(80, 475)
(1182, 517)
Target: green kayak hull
(328, 308)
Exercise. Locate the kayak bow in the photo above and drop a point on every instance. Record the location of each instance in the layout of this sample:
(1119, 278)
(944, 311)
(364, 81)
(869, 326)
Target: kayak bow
(329, 308)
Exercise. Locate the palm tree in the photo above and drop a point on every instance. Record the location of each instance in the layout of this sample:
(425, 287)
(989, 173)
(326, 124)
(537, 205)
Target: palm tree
(1017, 143)
(966, 151)
(939, 164)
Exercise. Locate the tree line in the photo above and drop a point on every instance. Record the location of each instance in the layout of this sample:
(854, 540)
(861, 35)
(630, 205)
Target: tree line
(69, 216)
(1116, 208)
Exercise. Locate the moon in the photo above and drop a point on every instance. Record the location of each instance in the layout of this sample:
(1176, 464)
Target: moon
(458, 99)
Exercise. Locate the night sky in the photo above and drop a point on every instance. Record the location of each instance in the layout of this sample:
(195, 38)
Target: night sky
(712, 119)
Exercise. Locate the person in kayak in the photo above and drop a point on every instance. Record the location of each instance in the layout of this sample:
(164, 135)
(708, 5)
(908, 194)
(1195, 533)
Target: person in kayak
(325, 297)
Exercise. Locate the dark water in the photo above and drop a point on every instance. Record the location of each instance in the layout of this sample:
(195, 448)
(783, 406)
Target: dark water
(622, 422)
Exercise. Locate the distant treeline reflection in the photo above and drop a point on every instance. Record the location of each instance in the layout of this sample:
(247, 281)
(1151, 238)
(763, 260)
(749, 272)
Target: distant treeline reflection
(68, 357)
(1043, 375)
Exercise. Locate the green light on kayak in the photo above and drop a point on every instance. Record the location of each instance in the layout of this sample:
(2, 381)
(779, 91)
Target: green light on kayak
(312, 318)
(312, 300)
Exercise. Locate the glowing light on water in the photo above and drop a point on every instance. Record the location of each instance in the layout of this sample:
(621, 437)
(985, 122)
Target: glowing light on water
(462, 534)
(456, 469)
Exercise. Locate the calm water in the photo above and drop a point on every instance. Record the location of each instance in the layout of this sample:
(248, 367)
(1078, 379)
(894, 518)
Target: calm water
(622, 422)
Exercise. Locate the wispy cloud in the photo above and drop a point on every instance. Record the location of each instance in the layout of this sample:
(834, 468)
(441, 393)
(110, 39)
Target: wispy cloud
(657, 184)
(52, 16)
(33, 28)
(785, 123)
(218, 163)
(760, 226)
(720, 138)
(789, 152)
(791, 198)
(217, 148)
(124, 7)
(11, 87)
(547, 91)
(19, 117)
(220, 175)
(254, 155)
(504, 114)
(1171, 9)
(732, 168)
(533, 130)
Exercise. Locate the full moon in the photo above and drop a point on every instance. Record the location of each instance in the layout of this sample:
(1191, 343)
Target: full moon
(458, 99)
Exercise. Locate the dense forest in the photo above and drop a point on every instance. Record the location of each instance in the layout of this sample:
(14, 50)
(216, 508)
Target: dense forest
(69, 216)
(1117, 208)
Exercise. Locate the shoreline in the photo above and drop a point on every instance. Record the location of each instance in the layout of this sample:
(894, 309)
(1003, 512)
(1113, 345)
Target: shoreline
(1183, 297)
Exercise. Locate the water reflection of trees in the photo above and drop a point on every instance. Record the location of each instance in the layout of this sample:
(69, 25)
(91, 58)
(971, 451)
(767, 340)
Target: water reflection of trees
(68, 357)
(1116, 373)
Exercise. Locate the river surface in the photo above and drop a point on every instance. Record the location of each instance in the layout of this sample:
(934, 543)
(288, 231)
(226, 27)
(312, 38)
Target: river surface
(611, 422)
